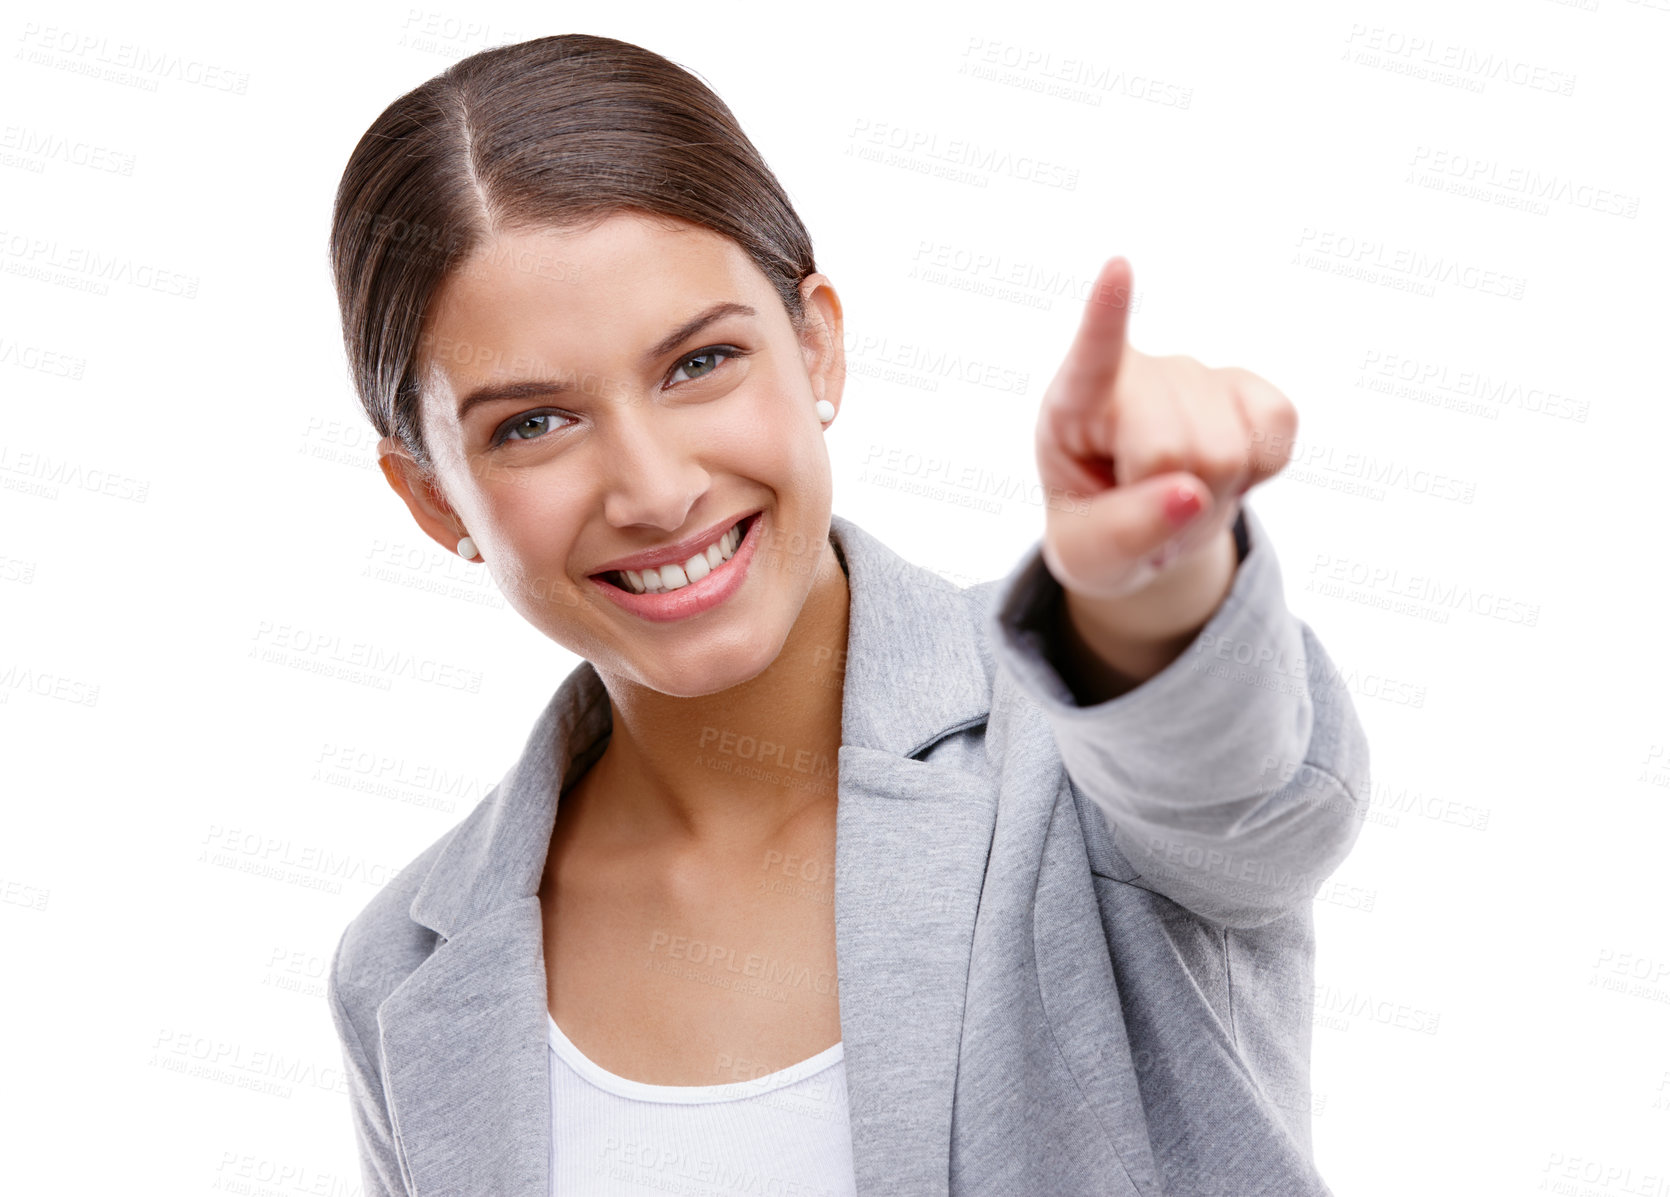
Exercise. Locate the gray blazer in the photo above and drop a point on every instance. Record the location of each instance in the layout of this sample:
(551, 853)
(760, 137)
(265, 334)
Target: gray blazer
(1074, 944)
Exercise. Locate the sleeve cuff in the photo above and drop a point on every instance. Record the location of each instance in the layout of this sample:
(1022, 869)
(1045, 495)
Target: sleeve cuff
(1198, 769)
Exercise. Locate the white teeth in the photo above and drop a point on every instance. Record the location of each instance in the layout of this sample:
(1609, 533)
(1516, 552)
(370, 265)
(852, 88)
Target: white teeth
(672, 577)
(675, 577)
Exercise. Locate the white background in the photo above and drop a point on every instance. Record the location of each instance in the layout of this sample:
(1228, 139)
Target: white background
(1459, 279)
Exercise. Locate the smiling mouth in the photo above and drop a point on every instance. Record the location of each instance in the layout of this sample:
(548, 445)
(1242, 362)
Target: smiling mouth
(678, 575)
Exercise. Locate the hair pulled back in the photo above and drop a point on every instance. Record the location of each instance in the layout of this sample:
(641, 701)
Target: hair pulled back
(558, 132)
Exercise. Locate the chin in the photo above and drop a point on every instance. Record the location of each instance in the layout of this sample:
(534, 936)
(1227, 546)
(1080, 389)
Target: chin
(699, 678)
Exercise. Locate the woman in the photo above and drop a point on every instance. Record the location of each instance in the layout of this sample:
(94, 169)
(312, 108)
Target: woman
(818, 874)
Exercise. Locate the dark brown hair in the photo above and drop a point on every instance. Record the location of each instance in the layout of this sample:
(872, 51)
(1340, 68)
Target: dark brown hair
(558, 132)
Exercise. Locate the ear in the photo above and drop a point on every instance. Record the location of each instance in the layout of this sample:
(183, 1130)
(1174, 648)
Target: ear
(821, 338)
(420, 492)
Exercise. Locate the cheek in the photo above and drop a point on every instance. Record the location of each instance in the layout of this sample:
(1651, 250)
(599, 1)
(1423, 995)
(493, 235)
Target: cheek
(531, 525)
(776, 429)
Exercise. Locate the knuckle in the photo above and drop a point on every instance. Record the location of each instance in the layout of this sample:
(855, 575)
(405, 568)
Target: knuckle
(1282, 440)
(1221, 464)
(1281, 411)
(1279, 453)
(1149, 460)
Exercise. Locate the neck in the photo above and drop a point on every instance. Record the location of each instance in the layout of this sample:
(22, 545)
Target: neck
(731, 770)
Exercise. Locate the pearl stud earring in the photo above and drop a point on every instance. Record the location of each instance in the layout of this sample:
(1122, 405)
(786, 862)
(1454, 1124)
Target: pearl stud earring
(466, 548)
(826, 410)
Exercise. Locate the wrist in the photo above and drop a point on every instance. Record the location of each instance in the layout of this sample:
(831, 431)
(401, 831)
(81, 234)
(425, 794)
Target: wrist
(1115, 644)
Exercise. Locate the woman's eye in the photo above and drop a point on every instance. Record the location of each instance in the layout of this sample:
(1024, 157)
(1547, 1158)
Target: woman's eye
(536, 425)
(532, 422)
(711, 357)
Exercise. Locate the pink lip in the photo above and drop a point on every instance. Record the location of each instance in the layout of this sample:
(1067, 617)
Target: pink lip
(715, 588)
(674, 554)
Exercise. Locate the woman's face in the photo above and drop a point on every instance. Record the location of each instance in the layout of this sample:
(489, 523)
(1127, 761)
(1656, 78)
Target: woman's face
(594, 395)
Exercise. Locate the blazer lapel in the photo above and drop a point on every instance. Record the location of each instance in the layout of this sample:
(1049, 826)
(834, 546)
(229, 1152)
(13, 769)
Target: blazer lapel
(910, 855)
(912, 839)
(463, 1039)
(464, 1060)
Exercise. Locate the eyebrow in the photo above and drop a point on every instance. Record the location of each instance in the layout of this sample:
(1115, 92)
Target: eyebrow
(531, 388)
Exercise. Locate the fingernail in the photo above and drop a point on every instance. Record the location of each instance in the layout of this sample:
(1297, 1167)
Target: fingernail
(1182, 505)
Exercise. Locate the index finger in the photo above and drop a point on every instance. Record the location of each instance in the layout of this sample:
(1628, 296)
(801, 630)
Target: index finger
(1093, 358)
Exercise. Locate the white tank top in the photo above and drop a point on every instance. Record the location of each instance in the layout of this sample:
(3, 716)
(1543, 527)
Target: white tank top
(785, 1132)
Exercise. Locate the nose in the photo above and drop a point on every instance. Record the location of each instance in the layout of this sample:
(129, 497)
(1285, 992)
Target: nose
(650, 474)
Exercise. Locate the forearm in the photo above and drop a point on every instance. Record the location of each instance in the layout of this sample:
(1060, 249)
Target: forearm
(1236, 777)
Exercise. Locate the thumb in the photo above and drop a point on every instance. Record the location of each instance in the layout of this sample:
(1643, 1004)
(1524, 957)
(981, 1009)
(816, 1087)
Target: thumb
(1131, 523)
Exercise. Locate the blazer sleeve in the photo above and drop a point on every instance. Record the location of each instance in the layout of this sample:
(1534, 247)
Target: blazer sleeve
(373, 1131)
(1235, 780)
